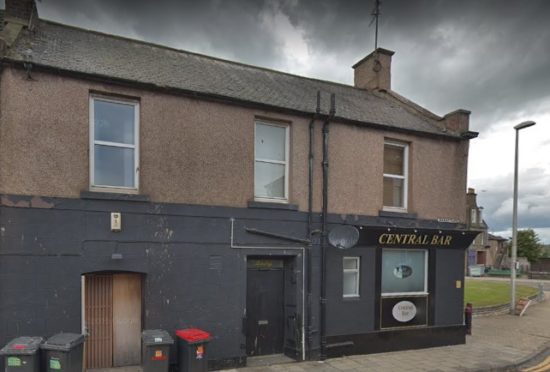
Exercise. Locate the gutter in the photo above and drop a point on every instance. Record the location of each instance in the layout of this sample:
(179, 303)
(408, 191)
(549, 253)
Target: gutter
(324, 233)
(310, 220)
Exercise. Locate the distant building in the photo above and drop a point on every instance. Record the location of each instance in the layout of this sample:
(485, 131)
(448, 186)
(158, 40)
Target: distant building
(478, 251)
(498, 252)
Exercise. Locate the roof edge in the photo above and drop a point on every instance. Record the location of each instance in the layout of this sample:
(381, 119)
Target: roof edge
(222, 98)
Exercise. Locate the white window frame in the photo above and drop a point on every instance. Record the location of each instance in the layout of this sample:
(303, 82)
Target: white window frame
(93, 142)
(357, 276)
(270, 161)
(404, 177)
(426, 268)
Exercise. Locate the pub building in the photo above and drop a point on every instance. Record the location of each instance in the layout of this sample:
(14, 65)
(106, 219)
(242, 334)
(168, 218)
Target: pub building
(403, 288)
(144, 187)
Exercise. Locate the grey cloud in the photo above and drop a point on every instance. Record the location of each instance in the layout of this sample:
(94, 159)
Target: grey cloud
(495, 196)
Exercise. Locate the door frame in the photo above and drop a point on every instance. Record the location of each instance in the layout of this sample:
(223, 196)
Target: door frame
(288, 261)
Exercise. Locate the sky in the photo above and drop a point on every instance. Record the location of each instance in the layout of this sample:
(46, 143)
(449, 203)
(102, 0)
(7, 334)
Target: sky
(490, 57)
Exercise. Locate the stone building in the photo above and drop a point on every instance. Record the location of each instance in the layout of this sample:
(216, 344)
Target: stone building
(144, 187)
(478, 252)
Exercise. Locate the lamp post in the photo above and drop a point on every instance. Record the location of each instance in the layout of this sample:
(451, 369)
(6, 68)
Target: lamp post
(518, 127)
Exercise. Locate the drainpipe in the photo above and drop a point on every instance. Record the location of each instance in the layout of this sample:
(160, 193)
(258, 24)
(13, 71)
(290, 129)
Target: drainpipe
(324, 241)
(310, 218)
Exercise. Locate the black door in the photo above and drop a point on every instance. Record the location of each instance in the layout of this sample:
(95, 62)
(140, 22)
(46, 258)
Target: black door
(264, 307)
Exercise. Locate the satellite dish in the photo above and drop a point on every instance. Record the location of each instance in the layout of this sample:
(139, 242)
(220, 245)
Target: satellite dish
(343, 236)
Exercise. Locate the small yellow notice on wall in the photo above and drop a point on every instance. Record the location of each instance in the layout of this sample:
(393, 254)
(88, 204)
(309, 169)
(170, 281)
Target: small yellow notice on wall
(458, 284)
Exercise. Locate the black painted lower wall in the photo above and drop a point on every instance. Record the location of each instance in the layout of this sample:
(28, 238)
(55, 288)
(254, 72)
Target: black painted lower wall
(193, 263)
(395, 340)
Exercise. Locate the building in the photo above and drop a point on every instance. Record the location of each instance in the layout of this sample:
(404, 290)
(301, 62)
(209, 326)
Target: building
(145, 187)
(498, 251)
(478, 252)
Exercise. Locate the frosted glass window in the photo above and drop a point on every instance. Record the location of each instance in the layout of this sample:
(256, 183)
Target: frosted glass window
(351, 276)
(271, 163)
(404, 271)
(114, 143)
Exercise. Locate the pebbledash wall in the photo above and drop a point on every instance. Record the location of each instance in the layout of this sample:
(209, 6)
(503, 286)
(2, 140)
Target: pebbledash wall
(194, 227)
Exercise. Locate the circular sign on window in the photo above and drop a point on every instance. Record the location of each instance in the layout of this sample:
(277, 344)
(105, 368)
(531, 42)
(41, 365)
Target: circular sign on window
(404, 311)
(402, 271)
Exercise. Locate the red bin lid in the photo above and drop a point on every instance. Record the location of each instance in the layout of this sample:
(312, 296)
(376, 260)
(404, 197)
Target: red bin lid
(193, 334)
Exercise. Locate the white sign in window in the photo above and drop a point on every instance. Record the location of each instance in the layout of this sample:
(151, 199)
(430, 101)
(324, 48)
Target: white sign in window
(351, 276)
(404, 271)
(395, 176)
(271, 162)
(114, 133)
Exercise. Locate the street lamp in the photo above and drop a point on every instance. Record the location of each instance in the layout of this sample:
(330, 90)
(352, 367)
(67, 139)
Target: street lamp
(525, 124)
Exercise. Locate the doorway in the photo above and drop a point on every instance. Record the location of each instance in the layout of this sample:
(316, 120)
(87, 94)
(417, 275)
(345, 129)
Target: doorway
(112, 318)
(264, 307)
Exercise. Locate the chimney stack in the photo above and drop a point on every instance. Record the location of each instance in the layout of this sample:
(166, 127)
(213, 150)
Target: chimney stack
(23, 12)
(374, 71)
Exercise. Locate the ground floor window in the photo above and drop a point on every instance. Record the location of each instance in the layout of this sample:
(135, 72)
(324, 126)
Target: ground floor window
(351, 276)
(404, 271)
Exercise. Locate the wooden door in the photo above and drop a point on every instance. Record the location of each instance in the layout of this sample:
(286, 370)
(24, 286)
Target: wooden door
(126, 319)
(98, 310)
(112, 313)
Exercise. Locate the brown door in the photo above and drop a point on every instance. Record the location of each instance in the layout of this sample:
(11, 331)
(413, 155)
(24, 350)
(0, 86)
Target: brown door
(126, 319)
(113, 320)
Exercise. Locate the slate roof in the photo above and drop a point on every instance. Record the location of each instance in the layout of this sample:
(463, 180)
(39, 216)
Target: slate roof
(83, 51)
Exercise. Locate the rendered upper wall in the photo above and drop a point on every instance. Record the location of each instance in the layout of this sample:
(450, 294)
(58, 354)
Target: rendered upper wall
(201, 152)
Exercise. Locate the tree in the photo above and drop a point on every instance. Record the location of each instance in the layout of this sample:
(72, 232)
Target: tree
(529, 245)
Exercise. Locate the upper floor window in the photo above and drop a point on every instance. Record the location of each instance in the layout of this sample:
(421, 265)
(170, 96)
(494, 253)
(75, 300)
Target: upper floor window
(395, 176)
(271, 162)
(114, 147)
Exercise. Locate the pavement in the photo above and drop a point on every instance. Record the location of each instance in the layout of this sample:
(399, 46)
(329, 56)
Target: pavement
(498, 343)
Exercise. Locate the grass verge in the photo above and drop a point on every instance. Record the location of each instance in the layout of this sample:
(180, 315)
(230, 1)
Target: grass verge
(486, 293)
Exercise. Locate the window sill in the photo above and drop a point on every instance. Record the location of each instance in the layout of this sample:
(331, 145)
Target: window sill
(396, 213)
(272, 205)
(404, 294)
(98, 195)
(351, 298)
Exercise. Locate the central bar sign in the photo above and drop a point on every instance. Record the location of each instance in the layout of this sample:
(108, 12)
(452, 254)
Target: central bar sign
(414, 237)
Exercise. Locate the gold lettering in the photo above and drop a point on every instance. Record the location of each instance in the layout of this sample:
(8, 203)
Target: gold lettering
(435, 240)
(448, 239)
(383, 239)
